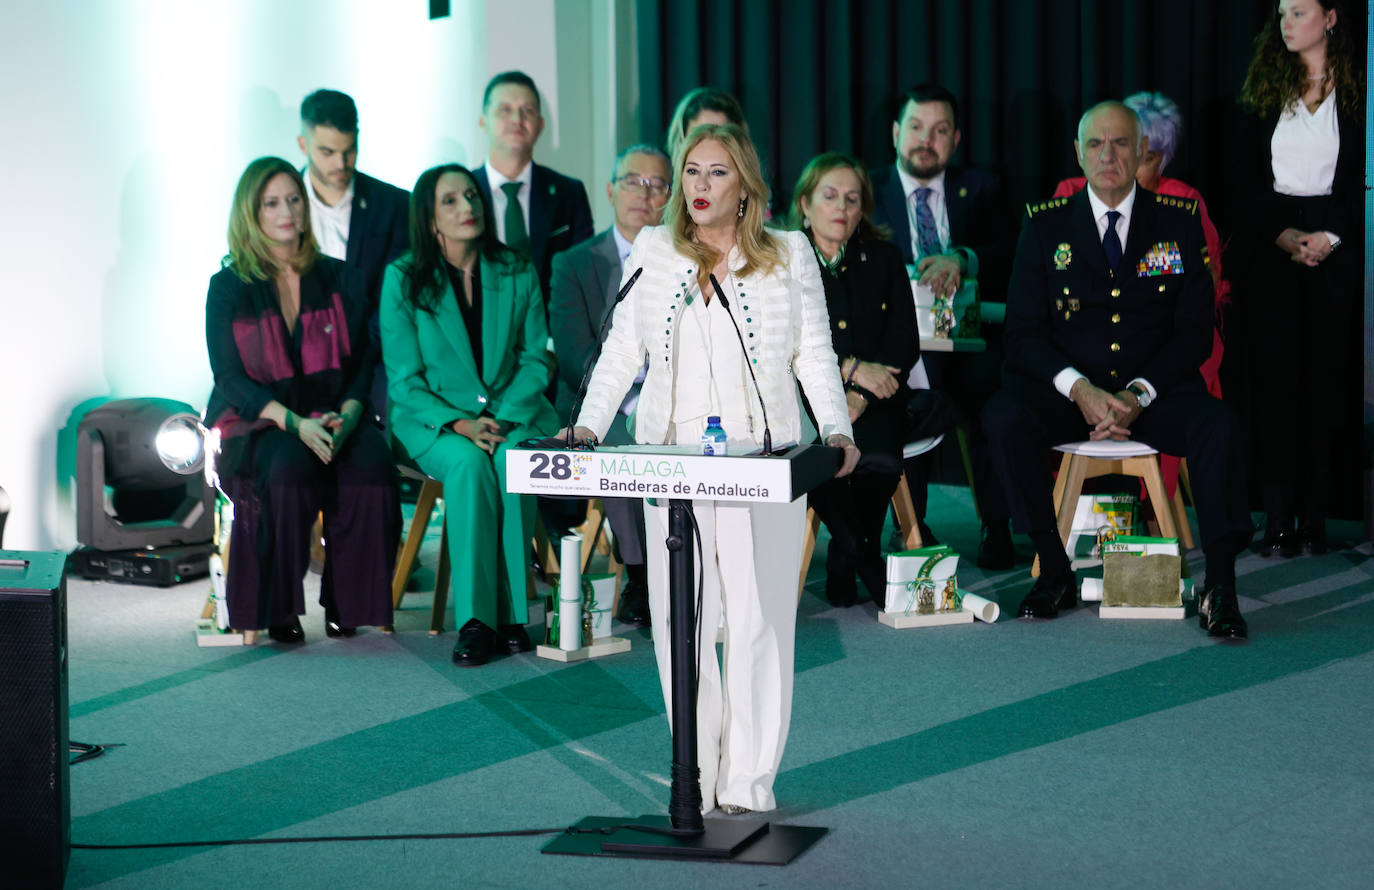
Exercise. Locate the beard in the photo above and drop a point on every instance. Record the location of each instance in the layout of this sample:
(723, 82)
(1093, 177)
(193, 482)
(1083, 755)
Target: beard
(922, 165)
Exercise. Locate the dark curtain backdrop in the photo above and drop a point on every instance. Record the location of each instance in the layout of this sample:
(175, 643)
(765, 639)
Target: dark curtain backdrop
(819, 75)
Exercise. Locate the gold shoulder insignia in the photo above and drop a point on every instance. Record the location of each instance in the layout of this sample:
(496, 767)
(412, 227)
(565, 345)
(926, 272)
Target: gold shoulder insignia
(1033, 208)
(1188, 204)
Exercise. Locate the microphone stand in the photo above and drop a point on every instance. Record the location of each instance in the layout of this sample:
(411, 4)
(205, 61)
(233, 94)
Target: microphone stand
(767, 433)
(596, 355)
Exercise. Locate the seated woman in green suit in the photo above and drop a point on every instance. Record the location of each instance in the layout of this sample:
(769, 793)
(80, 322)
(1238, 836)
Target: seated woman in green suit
(464, 341)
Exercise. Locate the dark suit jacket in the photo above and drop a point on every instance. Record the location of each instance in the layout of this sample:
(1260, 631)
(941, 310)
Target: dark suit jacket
(1066, 308)
(979, 219)
(873, 318)
(378, 230)
(583, 284)
(560, 216)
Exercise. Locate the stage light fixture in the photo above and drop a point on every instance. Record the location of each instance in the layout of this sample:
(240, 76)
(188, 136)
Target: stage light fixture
(144, 509)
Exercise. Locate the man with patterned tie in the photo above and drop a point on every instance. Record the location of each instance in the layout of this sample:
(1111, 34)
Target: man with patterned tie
(951, 223)
(1109, 315)
(537, 210)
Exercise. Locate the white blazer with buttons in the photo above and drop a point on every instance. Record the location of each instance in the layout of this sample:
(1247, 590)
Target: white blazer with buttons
(785, 327)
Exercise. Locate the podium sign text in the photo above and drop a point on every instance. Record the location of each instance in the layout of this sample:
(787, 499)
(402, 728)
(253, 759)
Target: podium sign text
(661, 472)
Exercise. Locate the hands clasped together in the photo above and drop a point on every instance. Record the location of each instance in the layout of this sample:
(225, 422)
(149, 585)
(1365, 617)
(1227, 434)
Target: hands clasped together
(485, 432)
(325, 435)
(879, 379)
(1110, 415)
(1307, 248)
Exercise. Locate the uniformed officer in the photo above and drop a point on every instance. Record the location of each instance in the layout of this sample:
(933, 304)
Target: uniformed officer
(1109, 315)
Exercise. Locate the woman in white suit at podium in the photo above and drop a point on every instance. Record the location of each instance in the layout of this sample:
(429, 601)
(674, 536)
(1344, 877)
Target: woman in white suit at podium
(713, 225)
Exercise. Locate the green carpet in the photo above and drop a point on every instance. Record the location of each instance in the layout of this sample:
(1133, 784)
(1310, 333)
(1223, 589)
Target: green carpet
(1077, 752)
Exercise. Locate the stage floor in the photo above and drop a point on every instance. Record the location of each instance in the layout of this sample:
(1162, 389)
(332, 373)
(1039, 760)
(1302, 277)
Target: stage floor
(1076, 752)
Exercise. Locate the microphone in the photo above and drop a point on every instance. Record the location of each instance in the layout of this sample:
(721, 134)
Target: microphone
(725, 304)
(591, 362)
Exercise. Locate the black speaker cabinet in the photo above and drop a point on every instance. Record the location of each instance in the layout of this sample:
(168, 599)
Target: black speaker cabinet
(35, 799)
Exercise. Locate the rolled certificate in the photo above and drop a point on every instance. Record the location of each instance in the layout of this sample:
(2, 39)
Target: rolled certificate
(217, 585)
(983, 609)
(570, 593)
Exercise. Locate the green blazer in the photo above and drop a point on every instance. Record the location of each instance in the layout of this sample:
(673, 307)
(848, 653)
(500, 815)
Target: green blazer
(432, 377)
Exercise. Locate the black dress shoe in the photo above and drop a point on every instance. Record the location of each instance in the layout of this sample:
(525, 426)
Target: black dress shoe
(514, 638)
(332, 627)
(634, 605)
(1219, 613)
(287, 633)
(1314, 536)
(1049, 596)
(1280, 538)
(995, 551)
(474, 644)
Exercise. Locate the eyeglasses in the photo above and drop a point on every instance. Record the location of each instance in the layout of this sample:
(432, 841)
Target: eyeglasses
(651, 184)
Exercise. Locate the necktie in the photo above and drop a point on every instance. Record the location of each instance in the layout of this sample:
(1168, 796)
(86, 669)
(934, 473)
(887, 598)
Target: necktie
(927, 237)
(516, 236)
(1111, 241)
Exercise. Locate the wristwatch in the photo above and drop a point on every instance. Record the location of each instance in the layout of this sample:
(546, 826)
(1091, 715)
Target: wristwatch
(1142, 395)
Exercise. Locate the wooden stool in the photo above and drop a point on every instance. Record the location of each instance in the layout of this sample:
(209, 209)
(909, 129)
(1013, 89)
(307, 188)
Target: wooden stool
(903, 507)
(1087, 460)
(431, 490)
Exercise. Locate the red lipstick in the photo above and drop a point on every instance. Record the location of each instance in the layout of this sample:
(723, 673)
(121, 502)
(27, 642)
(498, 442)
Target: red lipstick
(701, 203)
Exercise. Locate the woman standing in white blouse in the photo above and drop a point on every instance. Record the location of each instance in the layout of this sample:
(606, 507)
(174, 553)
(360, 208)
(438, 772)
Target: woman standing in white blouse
(751, 553)
(1304, 224)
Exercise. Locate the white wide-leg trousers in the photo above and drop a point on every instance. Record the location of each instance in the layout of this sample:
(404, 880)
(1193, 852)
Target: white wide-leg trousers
(752, 554)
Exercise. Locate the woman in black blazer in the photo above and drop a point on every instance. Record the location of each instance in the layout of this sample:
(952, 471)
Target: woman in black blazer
(1301, 238)
(873, 330)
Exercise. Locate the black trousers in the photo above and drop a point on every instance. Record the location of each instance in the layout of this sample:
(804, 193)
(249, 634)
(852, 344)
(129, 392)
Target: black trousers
(967, 381)
(274, 510)
(853, 509)
(1308, 356)
(1027, 418)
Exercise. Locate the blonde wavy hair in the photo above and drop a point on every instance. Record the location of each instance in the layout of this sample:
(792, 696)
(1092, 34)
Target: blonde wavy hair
(762, 251)
(250, 251)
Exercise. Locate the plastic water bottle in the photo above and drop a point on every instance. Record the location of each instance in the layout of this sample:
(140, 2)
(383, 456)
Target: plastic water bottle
(713, 438)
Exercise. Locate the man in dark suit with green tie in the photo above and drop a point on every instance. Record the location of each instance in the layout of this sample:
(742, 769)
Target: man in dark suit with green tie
(537, 210)
(1109, 316)
(582, 294)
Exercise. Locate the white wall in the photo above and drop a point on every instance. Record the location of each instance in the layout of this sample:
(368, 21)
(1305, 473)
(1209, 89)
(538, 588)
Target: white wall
(126, 125)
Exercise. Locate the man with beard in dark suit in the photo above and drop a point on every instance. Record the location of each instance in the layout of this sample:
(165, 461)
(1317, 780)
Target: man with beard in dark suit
(356, 218)
(582, 292)
(1109, 316)
(951, 223)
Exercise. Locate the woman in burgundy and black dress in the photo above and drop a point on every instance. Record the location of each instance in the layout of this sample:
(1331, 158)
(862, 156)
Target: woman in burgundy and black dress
(292, 363)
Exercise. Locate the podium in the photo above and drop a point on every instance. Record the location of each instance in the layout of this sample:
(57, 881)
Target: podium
(678, 474)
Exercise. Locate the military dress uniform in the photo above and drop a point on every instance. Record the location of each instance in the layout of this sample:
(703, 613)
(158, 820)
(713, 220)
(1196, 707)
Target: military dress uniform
(1149, 318)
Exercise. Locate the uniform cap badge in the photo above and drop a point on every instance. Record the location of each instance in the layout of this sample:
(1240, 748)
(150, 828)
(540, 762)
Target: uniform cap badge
(1063, 255)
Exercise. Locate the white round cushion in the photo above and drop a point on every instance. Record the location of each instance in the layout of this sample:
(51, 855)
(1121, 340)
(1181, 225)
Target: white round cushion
(1107, 448)
(921, 446)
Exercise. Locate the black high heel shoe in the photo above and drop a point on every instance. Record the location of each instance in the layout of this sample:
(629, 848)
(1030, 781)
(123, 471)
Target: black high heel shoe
(1280, 538)
(332, 627)
(287, 633)
(1313, 535)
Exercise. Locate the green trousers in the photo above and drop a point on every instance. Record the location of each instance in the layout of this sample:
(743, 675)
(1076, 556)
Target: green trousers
(489, 530)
